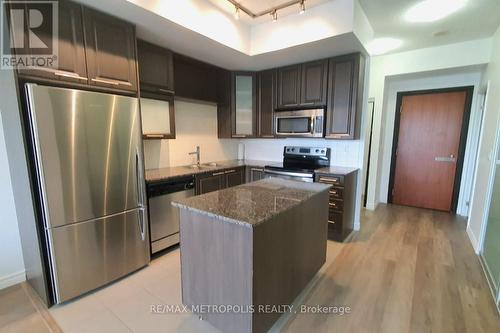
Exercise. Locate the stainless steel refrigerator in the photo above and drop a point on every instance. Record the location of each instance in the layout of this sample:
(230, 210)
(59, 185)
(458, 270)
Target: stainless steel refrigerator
(89, 184)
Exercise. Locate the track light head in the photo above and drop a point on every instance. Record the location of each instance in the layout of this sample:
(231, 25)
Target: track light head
(274, 14)
(236, 12)
(302, 7)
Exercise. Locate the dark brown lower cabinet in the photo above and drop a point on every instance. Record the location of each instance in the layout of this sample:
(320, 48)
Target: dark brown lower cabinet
(341, 206)
(219, 180)
(254, 173)
(235, 177)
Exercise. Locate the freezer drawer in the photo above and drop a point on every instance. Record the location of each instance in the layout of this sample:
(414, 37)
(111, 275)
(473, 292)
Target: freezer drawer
(90, 254)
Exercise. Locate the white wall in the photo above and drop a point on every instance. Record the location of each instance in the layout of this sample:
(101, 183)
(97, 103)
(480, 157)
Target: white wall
(484, 168)
(11, 257)
(344, 153)
(470, 76)
(323, 21)
(470, 53)
(195, 125)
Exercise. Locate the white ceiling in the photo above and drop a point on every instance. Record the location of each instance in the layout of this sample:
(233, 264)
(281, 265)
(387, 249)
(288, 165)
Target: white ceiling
(157, 29)
(257, 6)
(165, 25)
(478, 19)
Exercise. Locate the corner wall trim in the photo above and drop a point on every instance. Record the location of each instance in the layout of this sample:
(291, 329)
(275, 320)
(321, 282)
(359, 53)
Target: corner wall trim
(12, 279)
(473, 240)
(371, 205)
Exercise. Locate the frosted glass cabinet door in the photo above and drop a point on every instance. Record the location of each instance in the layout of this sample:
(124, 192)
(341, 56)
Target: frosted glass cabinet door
(158, 118)
(244, 105)
(491, 249)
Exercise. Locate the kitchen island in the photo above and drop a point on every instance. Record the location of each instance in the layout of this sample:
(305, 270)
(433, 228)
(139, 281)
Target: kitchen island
(252, 247)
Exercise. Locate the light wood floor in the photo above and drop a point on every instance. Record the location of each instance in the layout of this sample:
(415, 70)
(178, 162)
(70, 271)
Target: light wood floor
(408, 270)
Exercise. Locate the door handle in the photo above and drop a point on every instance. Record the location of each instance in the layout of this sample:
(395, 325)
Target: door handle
(70, 75)
(142, 224)
(450, 159)
(112, 82)
(139, 180)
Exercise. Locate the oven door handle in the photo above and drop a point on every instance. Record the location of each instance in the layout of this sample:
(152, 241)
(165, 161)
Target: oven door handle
(313, 121)
(291, 174)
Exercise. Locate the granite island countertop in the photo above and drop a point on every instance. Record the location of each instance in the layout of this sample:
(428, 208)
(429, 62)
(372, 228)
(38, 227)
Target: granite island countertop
(253, 203)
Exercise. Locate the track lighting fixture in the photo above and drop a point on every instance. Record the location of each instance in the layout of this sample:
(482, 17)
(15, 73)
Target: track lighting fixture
(302, 7)
(273, 11)
(236, 12)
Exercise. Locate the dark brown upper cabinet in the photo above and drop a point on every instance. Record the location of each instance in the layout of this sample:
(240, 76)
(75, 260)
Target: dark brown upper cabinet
(288, 87)
(345, 96)
(156, 68)
(195, 80)
(266, 91)
(110, 50)
(243, 104)
(302, 85)
(314, 83)
(71, 63)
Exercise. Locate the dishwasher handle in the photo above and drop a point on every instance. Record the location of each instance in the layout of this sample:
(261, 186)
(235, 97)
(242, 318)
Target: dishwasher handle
(163, 188)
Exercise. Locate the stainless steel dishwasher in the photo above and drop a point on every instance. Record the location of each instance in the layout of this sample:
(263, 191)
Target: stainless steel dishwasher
(163, 217)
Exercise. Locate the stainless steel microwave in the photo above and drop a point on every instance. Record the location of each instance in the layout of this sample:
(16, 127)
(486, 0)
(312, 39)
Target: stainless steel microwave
(300, 123)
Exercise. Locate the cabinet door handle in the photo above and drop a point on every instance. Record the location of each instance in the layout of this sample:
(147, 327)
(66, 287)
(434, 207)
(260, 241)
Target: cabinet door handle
(238, 136)
(267, 136)
(70, 75)
(167, 91)
(156, 136)
(256, 169)
(230, 171)
(113, 82)
(332, 204)
(329, 180)
(331, 222)
(218, 173)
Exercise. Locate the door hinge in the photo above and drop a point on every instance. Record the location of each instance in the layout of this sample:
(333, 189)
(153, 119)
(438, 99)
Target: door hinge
(392, 192)
(400, 109)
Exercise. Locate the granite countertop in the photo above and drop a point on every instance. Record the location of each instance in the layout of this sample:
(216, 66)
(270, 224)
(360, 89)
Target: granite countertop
(336, 170)
(253, 203)
(180, 171)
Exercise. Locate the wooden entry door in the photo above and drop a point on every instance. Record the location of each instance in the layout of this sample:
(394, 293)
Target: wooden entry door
(427, 149)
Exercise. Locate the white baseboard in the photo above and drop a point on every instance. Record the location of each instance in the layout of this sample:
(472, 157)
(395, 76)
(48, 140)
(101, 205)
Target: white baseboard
(473, 240)
(12, 279)
(371, 205)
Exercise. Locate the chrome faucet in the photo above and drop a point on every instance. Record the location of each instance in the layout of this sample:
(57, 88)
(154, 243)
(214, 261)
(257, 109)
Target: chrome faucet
(197, 152)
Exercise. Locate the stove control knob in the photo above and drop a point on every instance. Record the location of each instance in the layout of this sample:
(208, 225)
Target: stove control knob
(323, 151)
(317, 150)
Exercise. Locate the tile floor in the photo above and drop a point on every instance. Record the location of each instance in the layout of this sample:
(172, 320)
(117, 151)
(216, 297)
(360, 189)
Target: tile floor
(125, 306)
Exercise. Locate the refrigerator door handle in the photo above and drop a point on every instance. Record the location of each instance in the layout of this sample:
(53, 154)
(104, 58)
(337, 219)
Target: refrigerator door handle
(140, 194)
(139, 179)
(142, 223)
